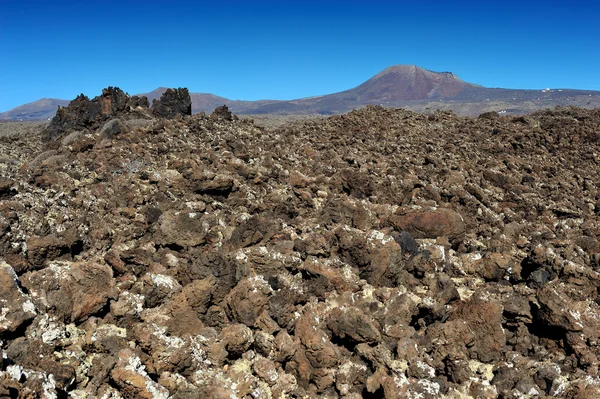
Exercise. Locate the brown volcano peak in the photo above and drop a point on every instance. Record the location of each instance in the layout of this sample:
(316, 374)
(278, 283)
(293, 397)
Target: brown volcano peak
(409, 82)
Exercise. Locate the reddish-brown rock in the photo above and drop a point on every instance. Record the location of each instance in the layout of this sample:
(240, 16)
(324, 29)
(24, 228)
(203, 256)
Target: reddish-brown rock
(433, 223)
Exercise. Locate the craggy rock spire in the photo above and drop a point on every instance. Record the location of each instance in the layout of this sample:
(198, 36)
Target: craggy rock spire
(173, 102)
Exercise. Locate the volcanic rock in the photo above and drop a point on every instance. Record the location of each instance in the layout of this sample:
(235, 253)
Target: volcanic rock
(71, 291)
(173, 102)
(7, 188)
(430, 223)
(380, 253)
(16, 306)
(222, 112)
(83, 114)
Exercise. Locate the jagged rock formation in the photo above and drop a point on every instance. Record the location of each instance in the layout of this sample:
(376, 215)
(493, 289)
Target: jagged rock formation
(381, 253)
(84, 115)
(173, 102)
(222, 112)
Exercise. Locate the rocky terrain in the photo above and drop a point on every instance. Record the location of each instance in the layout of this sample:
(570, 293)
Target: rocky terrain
(148, 253)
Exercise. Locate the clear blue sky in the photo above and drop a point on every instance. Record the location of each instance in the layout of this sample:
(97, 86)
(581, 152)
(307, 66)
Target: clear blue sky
(288, 49)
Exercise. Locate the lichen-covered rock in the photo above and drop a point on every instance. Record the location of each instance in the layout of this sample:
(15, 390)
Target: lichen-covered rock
(380, 253)
(352, 324)
(71, 291)
(185, 229)
(484, 321)
(16, 307)
(248, 300)
(131, 377)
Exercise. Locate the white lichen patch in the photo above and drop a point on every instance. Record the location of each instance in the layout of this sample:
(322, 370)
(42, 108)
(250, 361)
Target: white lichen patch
(53, 332)
(483, 370)
(258, 282)
(129, 303)
(170, 342)
(49, 387)
(29, 307)
(162, 280)
(172, 260)
(108, 330)
(576, 318)
(240, 256)
(400, 380)
(134, 364)
(14, 371)
(426, 369)
(378, 237)
(60, 269)
(198, 353)
(4, 322)
(429, 387)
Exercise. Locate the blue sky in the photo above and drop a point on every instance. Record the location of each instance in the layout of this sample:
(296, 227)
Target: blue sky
(288, 49)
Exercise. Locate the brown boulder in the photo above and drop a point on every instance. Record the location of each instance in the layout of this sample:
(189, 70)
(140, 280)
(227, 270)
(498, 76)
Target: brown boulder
(83, 113)
(199, 294)
(441, 222)
(7, 188)
(222, 112)
(220, 185)
(237, 339)
(132, 379)
(484, 320)
(248, 300)
(112, 129)
(41, 250)
(558, 311)
(71, 291)
(354, 325)
(182, 228)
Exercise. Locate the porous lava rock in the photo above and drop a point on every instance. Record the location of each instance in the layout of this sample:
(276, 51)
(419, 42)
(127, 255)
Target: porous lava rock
(381, 253)
(15, 306)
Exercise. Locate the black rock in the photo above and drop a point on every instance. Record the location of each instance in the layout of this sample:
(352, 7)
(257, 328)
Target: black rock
(407, 242)
(222, 112)
(85, 114)
(173, 102)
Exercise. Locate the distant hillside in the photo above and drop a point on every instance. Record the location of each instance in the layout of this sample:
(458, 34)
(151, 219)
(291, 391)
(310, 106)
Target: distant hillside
(404, 86)
(36, 111)
(418, 89)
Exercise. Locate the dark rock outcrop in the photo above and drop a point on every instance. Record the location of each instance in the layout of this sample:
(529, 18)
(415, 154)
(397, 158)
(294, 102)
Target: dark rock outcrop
(173, 102)
(222, 112)
(83, 114)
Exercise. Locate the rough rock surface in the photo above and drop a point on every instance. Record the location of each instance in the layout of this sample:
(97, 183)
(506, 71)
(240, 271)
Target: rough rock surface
(83, 115)
(173, 102)
(379, 254)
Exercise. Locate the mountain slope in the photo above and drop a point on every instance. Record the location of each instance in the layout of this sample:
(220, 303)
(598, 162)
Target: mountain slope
(407, 83)
(406, 86)
(418, 89)
(37, 110)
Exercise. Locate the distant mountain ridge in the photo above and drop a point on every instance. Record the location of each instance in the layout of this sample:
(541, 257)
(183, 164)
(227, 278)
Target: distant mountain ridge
(42, 109)
(406, 86)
